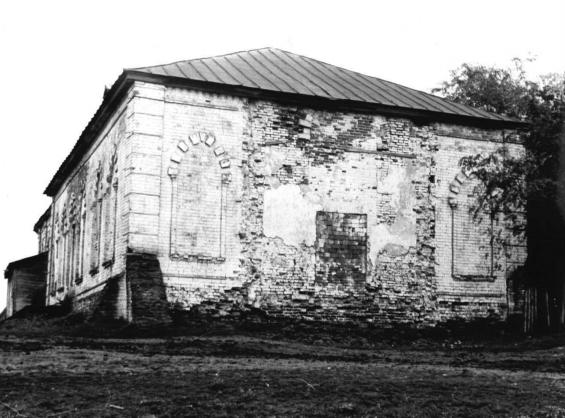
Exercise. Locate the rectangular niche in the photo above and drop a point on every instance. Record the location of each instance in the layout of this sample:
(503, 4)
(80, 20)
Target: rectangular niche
(341, 248)
(472, 245)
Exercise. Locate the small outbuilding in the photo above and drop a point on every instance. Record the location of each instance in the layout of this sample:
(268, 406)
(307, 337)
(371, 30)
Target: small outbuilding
(26, 283)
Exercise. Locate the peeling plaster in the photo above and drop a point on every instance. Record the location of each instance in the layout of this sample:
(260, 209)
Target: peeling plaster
(273, 160)
(290, 209)
(396, 238)
(290, 215)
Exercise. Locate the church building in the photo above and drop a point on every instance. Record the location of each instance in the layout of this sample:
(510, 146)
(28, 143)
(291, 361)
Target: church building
(268, 181)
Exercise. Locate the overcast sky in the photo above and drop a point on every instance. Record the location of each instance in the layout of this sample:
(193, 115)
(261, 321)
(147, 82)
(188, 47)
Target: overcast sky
(56, 57)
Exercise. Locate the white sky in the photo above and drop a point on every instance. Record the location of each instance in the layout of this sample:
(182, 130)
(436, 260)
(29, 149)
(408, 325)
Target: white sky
(56, 57)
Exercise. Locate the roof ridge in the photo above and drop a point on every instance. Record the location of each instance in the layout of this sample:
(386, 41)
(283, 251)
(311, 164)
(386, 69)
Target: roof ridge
(198, 59)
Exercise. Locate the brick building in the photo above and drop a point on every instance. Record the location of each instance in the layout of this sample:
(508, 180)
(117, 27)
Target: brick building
(268, 180)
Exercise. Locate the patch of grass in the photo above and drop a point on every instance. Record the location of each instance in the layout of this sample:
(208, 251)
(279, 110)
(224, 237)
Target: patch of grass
(341, 391)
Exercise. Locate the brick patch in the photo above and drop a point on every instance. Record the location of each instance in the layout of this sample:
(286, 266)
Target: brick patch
(341, 248)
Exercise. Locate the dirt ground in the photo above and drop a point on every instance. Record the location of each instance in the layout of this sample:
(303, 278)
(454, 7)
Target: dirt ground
(52, 369)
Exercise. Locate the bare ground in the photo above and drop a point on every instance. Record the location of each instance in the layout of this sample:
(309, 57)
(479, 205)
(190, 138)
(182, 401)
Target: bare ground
(219, 371)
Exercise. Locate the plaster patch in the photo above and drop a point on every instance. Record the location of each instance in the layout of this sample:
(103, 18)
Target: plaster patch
(389, 184)
(290, 215)
(385, 237)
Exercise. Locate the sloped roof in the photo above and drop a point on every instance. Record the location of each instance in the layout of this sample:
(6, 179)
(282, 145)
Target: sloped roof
(32, 261)
(275, 70)
(274, 73)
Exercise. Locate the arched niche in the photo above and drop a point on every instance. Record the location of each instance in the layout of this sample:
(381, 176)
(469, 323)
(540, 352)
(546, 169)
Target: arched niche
(200, 177)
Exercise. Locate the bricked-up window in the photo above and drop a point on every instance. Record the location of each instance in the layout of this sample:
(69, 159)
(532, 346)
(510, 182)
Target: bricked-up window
(96, 225)
(58, 276)
(80, 269)
(66, 256)
(96, 208)
(341, 248)
(72, 255)
(76, 252)
(199, 200)
(110, 210)
(471, 237)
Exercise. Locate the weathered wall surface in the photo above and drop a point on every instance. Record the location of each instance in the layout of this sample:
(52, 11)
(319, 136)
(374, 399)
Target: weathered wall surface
(185, 191)
(43, 230)
(88, 229)
(312, 214)
(336, 166)
(224, 203)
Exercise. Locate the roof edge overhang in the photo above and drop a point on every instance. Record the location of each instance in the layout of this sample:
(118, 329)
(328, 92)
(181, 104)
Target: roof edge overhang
(110, 102)
(316, 101)
(119, 88)
(42, 219)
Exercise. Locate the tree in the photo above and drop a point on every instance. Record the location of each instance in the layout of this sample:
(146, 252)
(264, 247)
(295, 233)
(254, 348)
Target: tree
(534, 180)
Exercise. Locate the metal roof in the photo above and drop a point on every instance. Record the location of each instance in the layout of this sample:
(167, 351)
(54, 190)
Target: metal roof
(275, 70)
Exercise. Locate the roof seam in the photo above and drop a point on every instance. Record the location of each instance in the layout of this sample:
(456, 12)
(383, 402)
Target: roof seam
(204, 63)
(290, 75)
(445, 103)
(335, 81)
(336, 74)
(237, 80)
(274, 75)
(375, 88)
(241, 73)
(492, 116)
(260, 75)
(198, 58)
(182, 72)
(316, 77)
(414, 100)
(192, 65)
(459, 105)
(309, 76)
